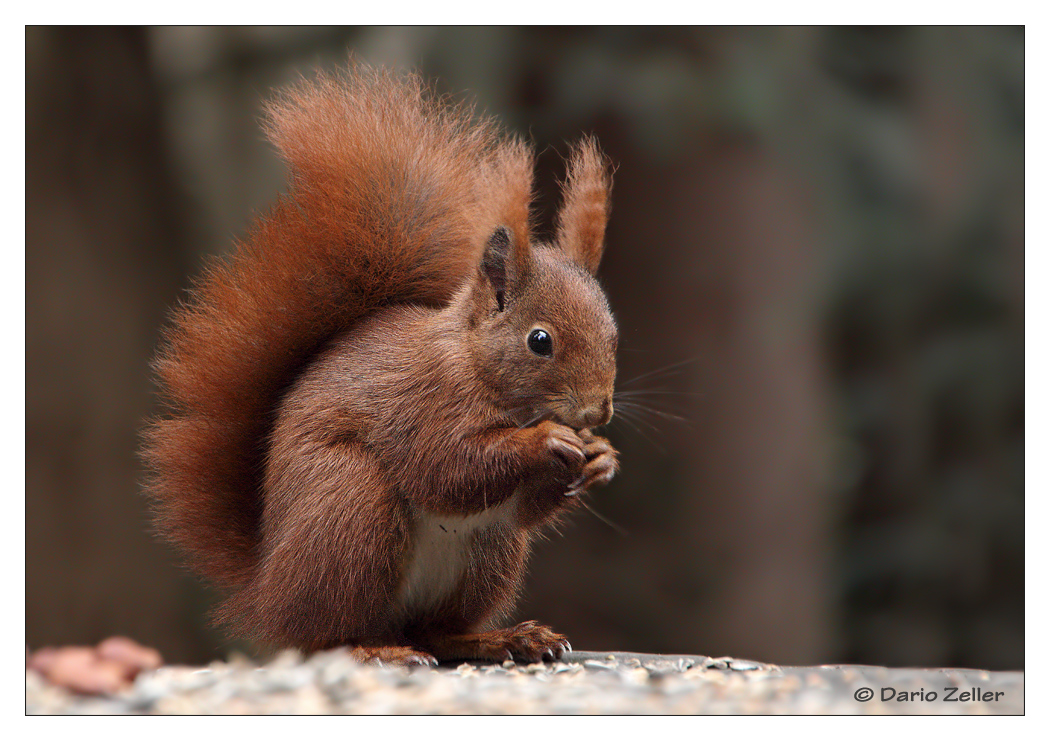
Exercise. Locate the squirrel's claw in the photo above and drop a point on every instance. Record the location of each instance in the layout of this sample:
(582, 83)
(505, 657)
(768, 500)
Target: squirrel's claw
(598, 471)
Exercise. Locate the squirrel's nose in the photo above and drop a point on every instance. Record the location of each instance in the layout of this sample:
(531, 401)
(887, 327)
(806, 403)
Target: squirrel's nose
(597, 414)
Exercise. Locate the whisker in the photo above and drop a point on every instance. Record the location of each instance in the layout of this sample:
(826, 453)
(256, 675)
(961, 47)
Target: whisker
(633, 423)
(656, 392)
(666, 369)
(515, 410)
(633, 414)
(607, 521)
(649, 408)
(537, 418)
(628, 421)
(652, 410)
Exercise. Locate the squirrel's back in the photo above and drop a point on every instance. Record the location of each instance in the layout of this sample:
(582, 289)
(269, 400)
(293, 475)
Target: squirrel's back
(391, 195)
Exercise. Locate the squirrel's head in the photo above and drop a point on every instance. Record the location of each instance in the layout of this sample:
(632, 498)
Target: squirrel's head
(541, 331)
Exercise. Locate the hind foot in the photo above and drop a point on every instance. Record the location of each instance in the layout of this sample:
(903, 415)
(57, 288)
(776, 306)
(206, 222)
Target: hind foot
(528, 641)
(392, 656)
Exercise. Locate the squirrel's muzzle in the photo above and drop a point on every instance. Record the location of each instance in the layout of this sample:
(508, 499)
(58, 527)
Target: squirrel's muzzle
(596, 414)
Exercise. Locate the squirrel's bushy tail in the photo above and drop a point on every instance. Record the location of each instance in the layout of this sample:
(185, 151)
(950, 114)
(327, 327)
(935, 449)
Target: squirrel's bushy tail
(391, 195)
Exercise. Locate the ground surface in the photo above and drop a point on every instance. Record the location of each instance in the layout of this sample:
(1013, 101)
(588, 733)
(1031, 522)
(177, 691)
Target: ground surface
(620, 683)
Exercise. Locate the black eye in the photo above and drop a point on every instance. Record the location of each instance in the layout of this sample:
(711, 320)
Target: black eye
(540, 343)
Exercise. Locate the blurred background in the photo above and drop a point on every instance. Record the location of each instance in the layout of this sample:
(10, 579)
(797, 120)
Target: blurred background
(816, 257)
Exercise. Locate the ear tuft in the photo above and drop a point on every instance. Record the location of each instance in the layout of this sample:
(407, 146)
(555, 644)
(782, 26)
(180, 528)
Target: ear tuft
(585, 205)
(505, 184)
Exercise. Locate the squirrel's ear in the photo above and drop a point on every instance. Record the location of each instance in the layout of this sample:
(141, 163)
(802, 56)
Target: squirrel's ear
(585, 205)
(496, 262)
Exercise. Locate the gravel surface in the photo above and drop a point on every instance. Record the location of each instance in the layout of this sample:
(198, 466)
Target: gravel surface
(620, 684)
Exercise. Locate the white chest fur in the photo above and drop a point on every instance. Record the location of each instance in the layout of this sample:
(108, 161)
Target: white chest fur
(440, 551)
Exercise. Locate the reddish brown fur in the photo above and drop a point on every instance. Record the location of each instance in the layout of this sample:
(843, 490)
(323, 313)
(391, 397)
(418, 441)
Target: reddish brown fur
(351, 373)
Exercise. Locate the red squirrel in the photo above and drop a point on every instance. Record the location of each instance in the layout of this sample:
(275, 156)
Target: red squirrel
(388, 389)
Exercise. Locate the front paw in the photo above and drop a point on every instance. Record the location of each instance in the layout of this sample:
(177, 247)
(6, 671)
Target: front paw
(563, 450)
(602, 463)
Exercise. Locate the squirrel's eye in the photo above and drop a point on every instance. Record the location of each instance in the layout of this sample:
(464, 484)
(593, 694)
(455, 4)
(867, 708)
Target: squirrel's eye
(540, 343)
